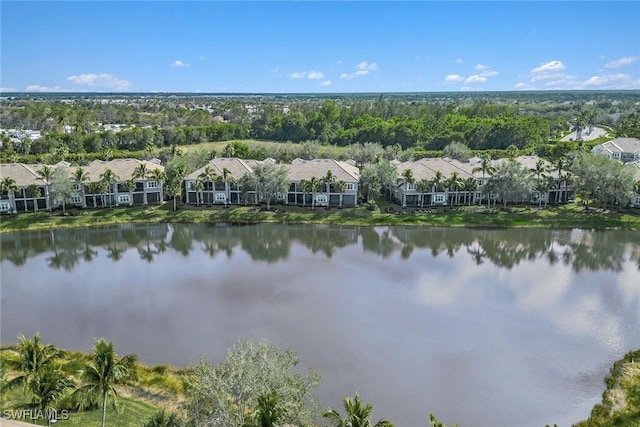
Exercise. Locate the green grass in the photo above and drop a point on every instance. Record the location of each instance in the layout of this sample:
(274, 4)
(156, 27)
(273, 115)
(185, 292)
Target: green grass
(130, 412)
(566, 216)
(157, 388)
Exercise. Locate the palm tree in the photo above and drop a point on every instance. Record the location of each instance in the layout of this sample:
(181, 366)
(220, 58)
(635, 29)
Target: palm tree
(198, 187)
(141, 172)
(486, 168)
(407, 175)
(423, 186)
(80, 176)
(268, 412)
(159, 177)
(356, 415)
(561, 164)
(8, 185)
(470, 186)
(208, 175)
(327, 180)
(47, 386)
(46, 173)
(436, 183)
(32, 357)
(164, 419)
(32, 192)
(108, 177)
(340, 187)
(540, 171)
(130, 185)
(104, 373)
(314, 185)
(454, 182)
(305, 187)
(226, 177)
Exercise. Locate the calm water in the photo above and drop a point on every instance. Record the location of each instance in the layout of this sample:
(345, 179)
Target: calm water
(481, 327)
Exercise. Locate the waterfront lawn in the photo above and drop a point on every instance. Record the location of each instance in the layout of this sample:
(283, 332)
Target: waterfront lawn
(130, 413)
(565, 216)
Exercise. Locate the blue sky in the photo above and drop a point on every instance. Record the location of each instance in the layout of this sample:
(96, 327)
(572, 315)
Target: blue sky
(329, 46)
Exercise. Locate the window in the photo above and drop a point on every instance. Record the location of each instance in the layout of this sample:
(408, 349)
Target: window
(76, 187)
(152, 184)
(221, 197)
(480, 182)
(351, 186)
(279, 196)
(439, 198)
(321, 198)
(123, 198)
(188, 185)
(411, 186)
(4, 206)
(76, 200)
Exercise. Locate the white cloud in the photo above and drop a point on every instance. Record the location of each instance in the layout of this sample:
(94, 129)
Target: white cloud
(458, 61)
(523, 86)
(315, 75)
(362, 69)
(481, 67)
(201, 58)
(178, 63)
(475, 79)
(39, 88)
(609, 79)
(602, 57)
(366, 66)
(552, 76)
(466, 88)
(326, 83)
(7, 89)
(104, 80)
(453, 78)
(312, 75)
(622, 62)
(549, 66)
(489, 73)
(339, 62)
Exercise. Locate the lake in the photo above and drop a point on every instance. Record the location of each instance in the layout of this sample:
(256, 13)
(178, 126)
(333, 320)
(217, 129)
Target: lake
(493, 328)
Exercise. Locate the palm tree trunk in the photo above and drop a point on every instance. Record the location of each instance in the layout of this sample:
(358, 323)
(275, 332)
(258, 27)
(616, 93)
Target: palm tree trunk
(104, 408)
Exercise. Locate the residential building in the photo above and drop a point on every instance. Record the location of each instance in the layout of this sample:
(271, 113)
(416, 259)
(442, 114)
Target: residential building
(215, 189)
(32, 190)
(623, 149)
(304, 170)
(30, 195)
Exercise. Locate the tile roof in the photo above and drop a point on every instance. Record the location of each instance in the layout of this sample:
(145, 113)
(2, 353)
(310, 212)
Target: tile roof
(23, 175)
(237, 167)
(620, 145)
(306, 169)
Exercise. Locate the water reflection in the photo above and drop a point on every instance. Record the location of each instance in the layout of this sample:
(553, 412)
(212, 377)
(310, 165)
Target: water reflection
(483, 327)
(581, 249)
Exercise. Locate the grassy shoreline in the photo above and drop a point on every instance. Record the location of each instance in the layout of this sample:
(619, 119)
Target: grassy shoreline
(566, 216)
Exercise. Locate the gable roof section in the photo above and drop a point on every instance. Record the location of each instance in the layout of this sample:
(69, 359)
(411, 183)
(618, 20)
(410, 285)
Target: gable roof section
(24, 175)
(237, 167)
(622, 145)
(123, 168)
(306, 169)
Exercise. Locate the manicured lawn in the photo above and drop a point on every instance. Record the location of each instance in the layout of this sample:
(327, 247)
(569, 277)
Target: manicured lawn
(567, 216)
